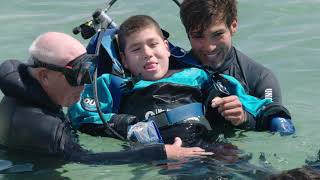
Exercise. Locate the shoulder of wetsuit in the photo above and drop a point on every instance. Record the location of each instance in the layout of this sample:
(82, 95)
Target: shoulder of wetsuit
(35, 129)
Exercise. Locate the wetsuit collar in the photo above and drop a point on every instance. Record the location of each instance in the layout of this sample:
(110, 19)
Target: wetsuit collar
(16, 81)
(228, 60)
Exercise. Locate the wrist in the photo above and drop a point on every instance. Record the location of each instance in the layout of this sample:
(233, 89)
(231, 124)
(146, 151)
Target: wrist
(164, 151)
(243, 119)
(249, 122)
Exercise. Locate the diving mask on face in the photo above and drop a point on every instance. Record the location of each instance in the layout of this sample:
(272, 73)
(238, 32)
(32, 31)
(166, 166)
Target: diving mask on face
(76, 72)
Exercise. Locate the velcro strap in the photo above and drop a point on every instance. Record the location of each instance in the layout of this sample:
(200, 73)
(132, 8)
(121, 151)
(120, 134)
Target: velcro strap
(178, 114)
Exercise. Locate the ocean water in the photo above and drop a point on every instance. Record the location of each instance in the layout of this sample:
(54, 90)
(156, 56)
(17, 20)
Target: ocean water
(282, 35)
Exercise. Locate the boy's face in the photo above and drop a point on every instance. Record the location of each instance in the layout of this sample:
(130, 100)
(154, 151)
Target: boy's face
(212, 47)
(146, 54)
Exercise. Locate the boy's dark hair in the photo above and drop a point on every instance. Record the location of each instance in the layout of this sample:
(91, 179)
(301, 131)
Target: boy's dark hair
(135, 24)
(197, 15)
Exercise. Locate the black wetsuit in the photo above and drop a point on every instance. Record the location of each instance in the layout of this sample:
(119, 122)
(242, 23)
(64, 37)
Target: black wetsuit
(161, 97)
(31, 121)
(257, 80)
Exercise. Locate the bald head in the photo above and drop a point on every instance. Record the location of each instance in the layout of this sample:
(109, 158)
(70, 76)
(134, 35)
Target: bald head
(56, 48)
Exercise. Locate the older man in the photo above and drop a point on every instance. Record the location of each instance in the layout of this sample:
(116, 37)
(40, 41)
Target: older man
(31, 110)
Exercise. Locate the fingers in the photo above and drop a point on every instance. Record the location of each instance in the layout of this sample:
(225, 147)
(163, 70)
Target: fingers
(206, 153)
(231, 112)
(216, 102)
(175, 151)
(229, 102)
(191, 151)
(235, 116)
(177, 142)
(230, 108)
(196, 149)
(197, 152)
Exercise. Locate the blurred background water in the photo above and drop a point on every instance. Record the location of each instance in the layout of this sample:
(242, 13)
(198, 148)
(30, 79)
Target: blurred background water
(282, 35)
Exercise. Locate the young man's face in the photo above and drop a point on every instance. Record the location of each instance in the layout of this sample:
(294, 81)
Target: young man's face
(212, 46)
(146, 54)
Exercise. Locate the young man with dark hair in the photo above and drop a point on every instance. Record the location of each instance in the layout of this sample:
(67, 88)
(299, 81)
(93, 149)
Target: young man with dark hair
(210, 25)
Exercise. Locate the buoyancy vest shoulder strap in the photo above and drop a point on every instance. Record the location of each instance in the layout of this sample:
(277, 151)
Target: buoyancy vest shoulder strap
(183, 56)
(109, 45)
(109, 62)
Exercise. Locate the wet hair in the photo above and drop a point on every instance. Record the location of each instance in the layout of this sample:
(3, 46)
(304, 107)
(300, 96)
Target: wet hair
(305, 172)
(135, 24)
(198, 15)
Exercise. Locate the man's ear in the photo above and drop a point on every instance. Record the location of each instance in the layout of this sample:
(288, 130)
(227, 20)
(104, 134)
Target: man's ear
(123, 60)
(43, 77)
(234, 26)
(166, 43)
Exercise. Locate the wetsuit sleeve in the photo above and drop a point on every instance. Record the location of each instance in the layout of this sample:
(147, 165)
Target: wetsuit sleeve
(85, 112)
(118, 122)
(252, 105)
(84, 115)
(268, 87)
(72, 151)
(250, 123)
